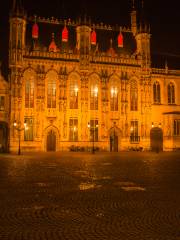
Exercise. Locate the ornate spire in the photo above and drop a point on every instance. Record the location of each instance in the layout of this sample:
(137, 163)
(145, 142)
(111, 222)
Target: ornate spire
(143, 20)
(17, 9)
(93, 36)
(52, 46)
(133, 5)
(133, 19)
(120, 39)
(35, 30)
(111, 52)
(65, 33)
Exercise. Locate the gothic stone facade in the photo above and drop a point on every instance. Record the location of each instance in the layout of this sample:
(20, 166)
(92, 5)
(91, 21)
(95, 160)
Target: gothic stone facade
(79, 85)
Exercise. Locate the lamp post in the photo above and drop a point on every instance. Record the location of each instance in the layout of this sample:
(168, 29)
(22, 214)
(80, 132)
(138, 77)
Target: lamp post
(19, 128)
(93, 129)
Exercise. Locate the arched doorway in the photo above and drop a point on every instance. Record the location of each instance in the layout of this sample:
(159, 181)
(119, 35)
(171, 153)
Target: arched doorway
(3, 137)
(114, 143)
(156, 138)
(114, 139)
(51, 141)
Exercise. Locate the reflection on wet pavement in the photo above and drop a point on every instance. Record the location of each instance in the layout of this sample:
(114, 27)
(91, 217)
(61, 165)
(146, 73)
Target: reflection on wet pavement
(74, 196)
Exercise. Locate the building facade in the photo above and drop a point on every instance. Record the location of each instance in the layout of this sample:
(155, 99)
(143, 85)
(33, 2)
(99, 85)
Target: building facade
(75, 85)
(4, 114)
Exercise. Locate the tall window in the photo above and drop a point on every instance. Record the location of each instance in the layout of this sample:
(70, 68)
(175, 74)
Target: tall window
(29, 94)
(134, 96)
(177, 127)
(73, 94)
(157, 92)
(134, 132)
(2, 103)
(73, 129)
(171, 93)
(114, 99)
(51, 93)
(93, 130)
(94, 97)
(28, 131)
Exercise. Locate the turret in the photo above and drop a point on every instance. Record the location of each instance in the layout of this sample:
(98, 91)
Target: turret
(133, 19)
(17, 33)
(83, 37)
(143, 39)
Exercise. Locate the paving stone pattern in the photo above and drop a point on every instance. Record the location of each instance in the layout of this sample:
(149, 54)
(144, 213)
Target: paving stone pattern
(102, 196)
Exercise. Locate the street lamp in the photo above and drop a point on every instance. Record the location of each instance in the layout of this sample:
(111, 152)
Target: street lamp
(93, 129)
(19, 128)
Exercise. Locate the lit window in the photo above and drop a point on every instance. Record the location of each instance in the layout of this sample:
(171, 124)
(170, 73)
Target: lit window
(73, 129)
(134, 96)
(74, 94)
(28, 131)
(157, 93)
(29, 93)
(134, 132)
(51, 93)
(177, 127)
(94, 97)
(2, 103)
(171, 93)
(93, 130)
(114, 99)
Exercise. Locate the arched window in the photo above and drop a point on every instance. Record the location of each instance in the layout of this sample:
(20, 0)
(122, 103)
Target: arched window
(171, 93)
(73, 129)
(29, 93)
(134, 96)
(94, 97)
(114, 94)
(51, 93)
(74, 94)
(157, 92)
(94, 91)
(114, 98)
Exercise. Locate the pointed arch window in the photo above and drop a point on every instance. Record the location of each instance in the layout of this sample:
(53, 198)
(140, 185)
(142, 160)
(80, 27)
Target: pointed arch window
(29, 93)
(157, 93)
(28, 133)
(171, 93)
(74, 94)
(134, 96)
(94, 97)
(177, 127)
(51, 93)
(73, 129)
(114, 98)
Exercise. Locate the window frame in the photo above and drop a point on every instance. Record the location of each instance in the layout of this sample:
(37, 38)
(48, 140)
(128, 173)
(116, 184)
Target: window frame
(156, 93)
(171, 93)
(29, 130)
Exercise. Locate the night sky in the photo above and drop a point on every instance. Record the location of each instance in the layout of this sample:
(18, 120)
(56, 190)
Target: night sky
(163, 17)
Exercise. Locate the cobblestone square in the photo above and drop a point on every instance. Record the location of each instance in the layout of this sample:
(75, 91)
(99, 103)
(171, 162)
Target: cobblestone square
(84, 196)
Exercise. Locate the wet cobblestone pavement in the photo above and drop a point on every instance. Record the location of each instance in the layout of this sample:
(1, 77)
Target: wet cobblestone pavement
(124, 196)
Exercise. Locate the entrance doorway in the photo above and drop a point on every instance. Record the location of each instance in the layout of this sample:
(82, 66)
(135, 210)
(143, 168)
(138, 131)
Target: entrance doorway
(51, 141)
(156, 138)
(3, 137)
(114, 142)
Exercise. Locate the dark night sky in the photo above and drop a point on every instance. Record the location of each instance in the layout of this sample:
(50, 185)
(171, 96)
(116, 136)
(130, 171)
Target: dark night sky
(163, 17)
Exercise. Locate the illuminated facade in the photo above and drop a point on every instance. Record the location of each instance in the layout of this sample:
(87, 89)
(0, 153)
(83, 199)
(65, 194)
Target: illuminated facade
(77, 84)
